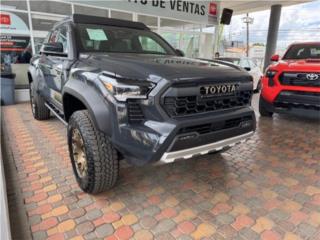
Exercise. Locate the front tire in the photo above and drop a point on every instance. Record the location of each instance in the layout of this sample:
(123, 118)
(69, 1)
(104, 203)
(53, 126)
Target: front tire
(38, 108)
(262, 109)
(94, 160)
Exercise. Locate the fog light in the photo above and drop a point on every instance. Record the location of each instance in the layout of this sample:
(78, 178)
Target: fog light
(188, 137)
(245, 124)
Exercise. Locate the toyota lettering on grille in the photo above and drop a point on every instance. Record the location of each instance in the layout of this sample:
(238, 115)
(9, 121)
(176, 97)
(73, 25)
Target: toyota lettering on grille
(218, 90)
(312, 76)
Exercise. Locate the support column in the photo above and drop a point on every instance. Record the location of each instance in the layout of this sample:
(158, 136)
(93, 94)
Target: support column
(274, 23)
(216, 38)
(217, 30)
(31, 28)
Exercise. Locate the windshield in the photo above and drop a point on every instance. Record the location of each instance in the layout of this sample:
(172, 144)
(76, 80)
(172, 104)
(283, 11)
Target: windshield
(303, 52)
(109, 39)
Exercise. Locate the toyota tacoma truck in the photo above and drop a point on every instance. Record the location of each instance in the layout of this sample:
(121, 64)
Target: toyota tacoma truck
(292, 84)
(125, 93)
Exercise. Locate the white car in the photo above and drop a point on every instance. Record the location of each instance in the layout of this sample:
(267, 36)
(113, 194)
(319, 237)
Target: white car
(248, 64)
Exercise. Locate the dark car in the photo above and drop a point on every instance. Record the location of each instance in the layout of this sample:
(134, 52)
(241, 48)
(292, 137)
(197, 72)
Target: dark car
(124, 92)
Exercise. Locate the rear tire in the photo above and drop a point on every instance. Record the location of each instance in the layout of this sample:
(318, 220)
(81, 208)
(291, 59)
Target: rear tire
(262, 109)
(101, 157)
(38, 108)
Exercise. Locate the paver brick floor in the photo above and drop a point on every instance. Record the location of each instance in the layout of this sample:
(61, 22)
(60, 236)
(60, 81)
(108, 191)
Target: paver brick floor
(267, 188)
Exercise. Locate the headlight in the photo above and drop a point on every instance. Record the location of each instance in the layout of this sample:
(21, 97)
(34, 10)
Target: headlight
(123, 89)
(270, 73)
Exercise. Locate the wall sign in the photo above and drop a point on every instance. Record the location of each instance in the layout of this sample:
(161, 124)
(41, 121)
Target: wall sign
(196, 8)
(213, 9)
(204, 12)
(13, 43)
(5, 19)
(10, 23)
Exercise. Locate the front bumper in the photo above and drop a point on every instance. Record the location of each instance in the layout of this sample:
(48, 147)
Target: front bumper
(168, 157)
(305, 104)
(167, 141)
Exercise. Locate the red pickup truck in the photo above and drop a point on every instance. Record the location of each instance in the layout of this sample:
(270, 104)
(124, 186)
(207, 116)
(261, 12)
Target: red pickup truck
(292, 84)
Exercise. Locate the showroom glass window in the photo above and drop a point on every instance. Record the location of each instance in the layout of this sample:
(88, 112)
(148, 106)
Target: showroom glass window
(122, 15)
(55, 7)
(150, 21)
(91, 11)
(19, 5)
(15, 36)
(15, 44)
(182, 35)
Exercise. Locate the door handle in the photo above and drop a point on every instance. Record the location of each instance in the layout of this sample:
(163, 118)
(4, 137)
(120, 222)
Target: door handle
(58, 70)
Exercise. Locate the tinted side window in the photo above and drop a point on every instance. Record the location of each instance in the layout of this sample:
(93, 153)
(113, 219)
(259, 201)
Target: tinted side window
(60, 35)
(63, 38)
(53, 37)
(149, 45)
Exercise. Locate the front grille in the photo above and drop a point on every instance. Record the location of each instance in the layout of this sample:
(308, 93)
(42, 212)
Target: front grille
(190, 105)
(135, 114)
(298, 79)
(217, 126)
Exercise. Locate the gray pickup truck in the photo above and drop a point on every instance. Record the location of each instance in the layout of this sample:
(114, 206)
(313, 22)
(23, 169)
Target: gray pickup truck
(125, 93)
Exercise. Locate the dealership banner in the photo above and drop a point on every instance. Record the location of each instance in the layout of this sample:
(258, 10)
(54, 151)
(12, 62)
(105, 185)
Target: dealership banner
(13, 43)
(10, 23)
(204, 12)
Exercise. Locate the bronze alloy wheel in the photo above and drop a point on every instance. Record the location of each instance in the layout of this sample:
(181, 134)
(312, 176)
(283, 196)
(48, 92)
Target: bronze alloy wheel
(94, 160)
(79, 155)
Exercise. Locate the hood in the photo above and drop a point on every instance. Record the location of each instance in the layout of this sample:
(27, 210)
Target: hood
(157, 67)
(300, 65)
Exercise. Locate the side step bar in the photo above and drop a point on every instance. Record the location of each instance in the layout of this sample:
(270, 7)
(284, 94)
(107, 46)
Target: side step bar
(55, 112)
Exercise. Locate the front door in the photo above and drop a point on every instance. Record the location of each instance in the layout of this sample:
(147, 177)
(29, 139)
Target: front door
(54, 67)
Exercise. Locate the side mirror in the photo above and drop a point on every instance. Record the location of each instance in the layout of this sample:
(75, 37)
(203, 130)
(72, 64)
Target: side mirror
(247, 68)
(275, 58)
(52, 48)
(180, 53)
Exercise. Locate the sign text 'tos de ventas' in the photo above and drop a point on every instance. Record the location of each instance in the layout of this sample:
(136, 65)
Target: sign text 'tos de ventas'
(204, 12)
(179, 6)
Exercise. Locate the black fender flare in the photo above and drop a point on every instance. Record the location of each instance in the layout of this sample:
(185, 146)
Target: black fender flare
(31, 74)
(98, 107)
(37, 78)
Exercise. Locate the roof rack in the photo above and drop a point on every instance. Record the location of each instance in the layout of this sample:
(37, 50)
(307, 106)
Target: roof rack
(81, 18)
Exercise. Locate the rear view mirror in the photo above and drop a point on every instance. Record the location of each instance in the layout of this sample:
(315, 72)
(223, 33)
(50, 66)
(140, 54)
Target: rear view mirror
(52, 48)
(275, 58)
(180, 53)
